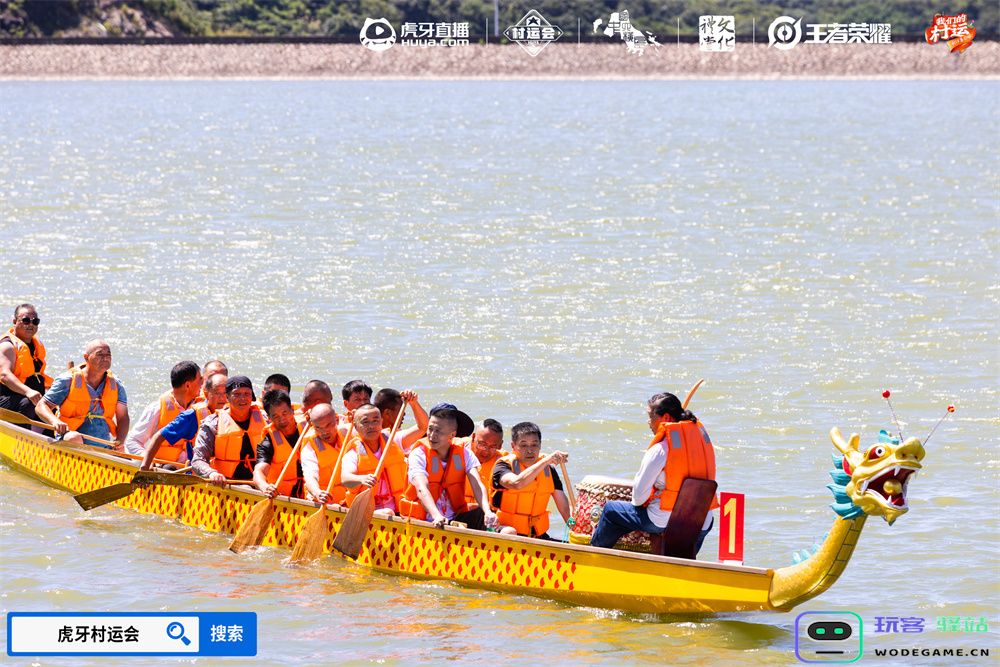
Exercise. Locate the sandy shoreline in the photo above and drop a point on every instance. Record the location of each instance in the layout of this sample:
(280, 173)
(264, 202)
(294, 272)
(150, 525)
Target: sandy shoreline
(558, 61)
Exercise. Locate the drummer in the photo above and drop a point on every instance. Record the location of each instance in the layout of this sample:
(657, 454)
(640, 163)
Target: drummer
(652, 496)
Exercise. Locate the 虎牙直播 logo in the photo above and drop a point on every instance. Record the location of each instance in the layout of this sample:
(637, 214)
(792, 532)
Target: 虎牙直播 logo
(378, 34)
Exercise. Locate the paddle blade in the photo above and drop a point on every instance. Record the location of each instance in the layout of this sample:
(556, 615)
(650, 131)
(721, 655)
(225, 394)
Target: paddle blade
(13, 417)
(309, 546)
(251, 533)
(165, 478)
(354, 529)
(104, 495)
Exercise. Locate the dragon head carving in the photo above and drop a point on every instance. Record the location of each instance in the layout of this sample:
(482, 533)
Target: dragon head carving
(874, 481)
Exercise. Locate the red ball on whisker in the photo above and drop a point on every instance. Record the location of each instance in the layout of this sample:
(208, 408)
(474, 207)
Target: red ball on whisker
(885, 394)
(951, 408)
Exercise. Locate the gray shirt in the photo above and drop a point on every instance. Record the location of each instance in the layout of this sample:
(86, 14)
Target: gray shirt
(204, 446)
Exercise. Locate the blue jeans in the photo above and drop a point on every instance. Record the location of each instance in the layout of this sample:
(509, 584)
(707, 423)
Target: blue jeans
(620, 518)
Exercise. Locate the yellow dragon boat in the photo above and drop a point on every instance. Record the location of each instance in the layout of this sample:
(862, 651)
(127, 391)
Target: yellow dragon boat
(866, 482)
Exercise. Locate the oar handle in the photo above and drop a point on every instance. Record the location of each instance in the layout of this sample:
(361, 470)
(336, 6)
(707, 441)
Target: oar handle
(661, 432)
(294, 453)
(388, 445)
(568, 485)
(687, 400)
(340, 457)
(109, 443)
(18, 418)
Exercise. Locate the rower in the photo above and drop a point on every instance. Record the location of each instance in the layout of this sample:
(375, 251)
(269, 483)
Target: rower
(315, 393)
(439, 468)
(279, 440)
(390, 402)
(211, 368)
(185, 383)
(22, 369)
(90, 399)
(355, 394)
(319, 454)
(525, 481)
(276, 381)
(184, 427)
(361, 458)
(680, 449)
(227, 441)
(487, 444)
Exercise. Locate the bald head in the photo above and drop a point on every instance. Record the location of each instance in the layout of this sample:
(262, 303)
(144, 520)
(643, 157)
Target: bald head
(97, 356)
(316, 393)
(94, 345)
(215, 366)
(324, 420)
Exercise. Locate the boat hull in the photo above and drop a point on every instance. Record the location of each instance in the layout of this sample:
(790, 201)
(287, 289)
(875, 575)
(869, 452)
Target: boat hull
(574, 574)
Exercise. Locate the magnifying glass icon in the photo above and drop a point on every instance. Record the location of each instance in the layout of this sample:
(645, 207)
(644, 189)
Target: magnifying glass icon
(176, 631)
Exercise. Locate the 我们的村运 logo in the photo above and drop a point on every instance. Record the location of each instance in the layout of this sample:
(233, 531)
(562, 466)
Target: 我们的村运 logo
(785, 32)
(379, 35)
(955, 30)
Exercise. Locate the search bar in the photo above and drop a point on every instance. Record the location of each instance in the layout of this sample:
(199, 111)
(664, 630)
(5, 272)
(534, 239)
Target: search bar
(143, 633)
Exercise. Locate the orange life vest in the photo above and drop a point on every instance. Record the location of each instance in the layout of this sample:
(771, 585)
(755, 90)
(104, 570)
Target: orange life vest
(485, 474)
(296, 408)
(451, 479)
(24, 360)
(77, 406)
(282, 449)
(229, 441)
(201, 410)
(327, 455)
(527, 510)
(394, 470)
(169, 409)
(689, 454)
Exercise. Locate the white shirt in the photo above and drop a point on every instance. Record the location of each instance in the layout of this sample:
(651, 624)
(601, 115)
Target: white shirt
(650, 479)
(310, 463)
(145, 428)
(417, 467)
(398, 439)
(349, 466)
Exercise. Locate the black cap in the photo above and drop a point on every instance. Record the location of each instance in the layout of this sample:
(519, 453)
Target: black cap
(237, 381)
(465, 424)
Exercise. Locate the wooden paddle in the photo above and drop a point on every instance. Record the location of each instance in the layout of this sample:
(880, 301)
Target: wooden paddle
(18, 418)
(353, 530)
(568, 485)
(309, 546)
(109, 494)
(251, 533)
(684, 405)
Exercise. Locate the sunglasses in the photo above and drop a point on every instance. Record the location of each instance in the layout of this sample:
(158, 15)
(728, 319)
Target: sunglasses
(30, 320)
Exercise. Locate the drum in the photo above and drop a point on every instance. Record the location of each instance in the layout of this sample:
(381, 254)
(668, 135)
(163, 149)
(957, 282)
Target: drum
(592, 493)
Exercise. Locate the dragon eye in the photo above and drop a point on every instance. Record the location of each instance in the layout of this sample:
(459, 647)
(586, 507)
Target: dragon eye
(876, 453)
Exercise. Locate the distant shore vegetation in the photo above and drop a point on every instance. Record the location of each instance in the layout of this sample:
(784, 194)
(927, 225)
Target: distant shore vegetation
(324, 18)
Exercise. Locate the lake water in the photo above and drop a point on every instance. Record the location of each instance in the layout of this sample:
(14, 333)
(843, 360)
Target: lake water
(545, 251)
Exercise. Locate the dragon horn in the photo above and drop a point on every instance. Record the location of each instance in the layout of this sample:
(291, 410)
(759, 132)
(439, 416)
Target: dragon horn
(845, 447)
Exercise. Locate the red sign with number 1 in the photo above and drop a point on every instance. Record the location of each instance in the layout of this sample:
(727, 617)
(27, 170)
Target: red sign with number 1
(731, 526)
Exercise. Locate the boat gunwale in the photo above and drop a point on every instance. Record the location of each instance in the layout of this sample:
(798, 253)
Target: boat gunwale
(97, 453)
